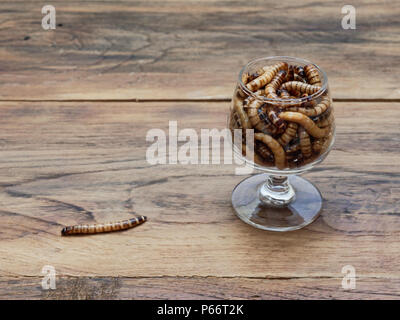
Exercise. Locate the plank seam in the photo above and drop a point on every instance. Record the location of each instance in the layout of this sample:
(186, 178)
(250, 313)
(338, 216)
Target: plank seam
(359, 277)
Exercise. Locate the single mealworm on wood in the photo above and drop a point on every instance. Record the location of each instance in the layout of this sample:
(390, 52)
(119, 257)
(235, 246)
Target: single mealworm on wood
(305, 143)
(299, 87)
(266, 77)
(289, 134)
(103, 227)
(275, 147)
(313, 111)
(306, 122)
(312, 75)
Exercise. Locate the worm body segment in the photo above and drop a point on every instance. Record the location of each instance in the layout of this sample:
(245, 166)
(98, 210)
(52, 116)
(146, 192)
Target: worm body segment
(244, 119)
(275, 147)
(259, 120)
(263, 150)
(276, 82)
(312, 75)
(313, 111)
(306, 122)
(305, 143)
(299, 87)
(267, 76)
(289, 133)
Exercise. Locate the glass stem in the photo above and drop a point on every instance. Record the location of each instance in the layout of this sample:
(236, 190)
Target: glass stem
(276, 191)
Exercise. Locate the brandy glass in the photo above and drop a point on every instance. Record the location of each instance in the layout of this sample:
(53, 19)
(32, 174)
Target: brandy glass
(278, 199)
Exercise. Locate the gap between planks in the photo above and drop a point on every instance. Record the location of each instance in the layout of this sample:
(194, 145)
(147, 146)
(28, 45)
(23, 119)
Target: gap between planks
(66, 276)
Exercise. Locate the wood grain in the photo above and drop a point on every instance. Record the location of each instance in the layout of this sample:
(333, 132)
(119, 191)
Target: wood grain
(120, 50)
(65, 163)
(197, 288)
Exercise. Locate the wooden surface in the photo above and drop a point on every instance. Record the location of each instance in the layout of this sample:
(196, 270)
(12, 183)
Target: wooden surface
(83, 160)
(190, 50)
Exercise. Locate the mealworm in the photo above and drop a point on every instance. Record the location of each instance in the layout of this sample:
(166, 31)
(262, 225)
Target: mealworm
(275, 147)
(245, 78)
(244, 119)
(103, 227)
(258, 73)
(289, 134)
(260, 93)
(266, 77)
(312, 75)
(296, 161)
(293, 154)
(259, 120)
(240, 93)
(234, 121)
(254, 102)
(296, 77)
(309, 103)
(325, 122)
(317, 145)
(246, 153)
(326, 143)
(276, 82)
(292, 148)
(305, 143)
(313, 111)
(264, 152)
(290, 74)
(306, 122)
(299, 70)
(274, 118)
(284, 94)
(299, 87)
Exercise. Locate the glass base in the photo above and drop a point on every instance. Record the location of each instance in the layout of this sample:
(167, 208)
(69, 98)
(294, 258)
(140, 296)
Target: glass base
(302, 210)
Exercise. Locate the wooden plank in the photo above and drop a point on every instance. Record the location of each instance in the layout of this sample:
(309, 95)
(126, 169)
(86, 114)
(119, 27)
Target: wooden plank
(208, 288)
(190, 50)
(68, 163)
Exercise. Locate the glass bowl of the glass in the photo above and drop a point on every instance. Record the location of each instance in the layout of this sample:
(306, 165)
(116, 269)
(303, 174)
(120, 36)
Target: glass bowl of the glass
(282, 123)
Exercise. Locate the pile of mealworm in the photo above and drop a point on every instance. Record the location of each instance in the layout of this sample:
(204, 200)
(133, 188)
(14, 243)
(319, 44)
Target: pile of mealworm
(291, 116)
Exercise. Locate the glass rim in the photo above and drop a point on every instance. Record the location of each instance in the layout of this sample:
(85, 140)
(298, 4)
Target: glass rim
(284, 101)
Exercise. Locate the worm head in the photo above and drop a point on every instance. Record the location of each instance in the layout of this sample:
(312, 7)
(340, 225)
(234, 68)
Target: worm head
(65, 231)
